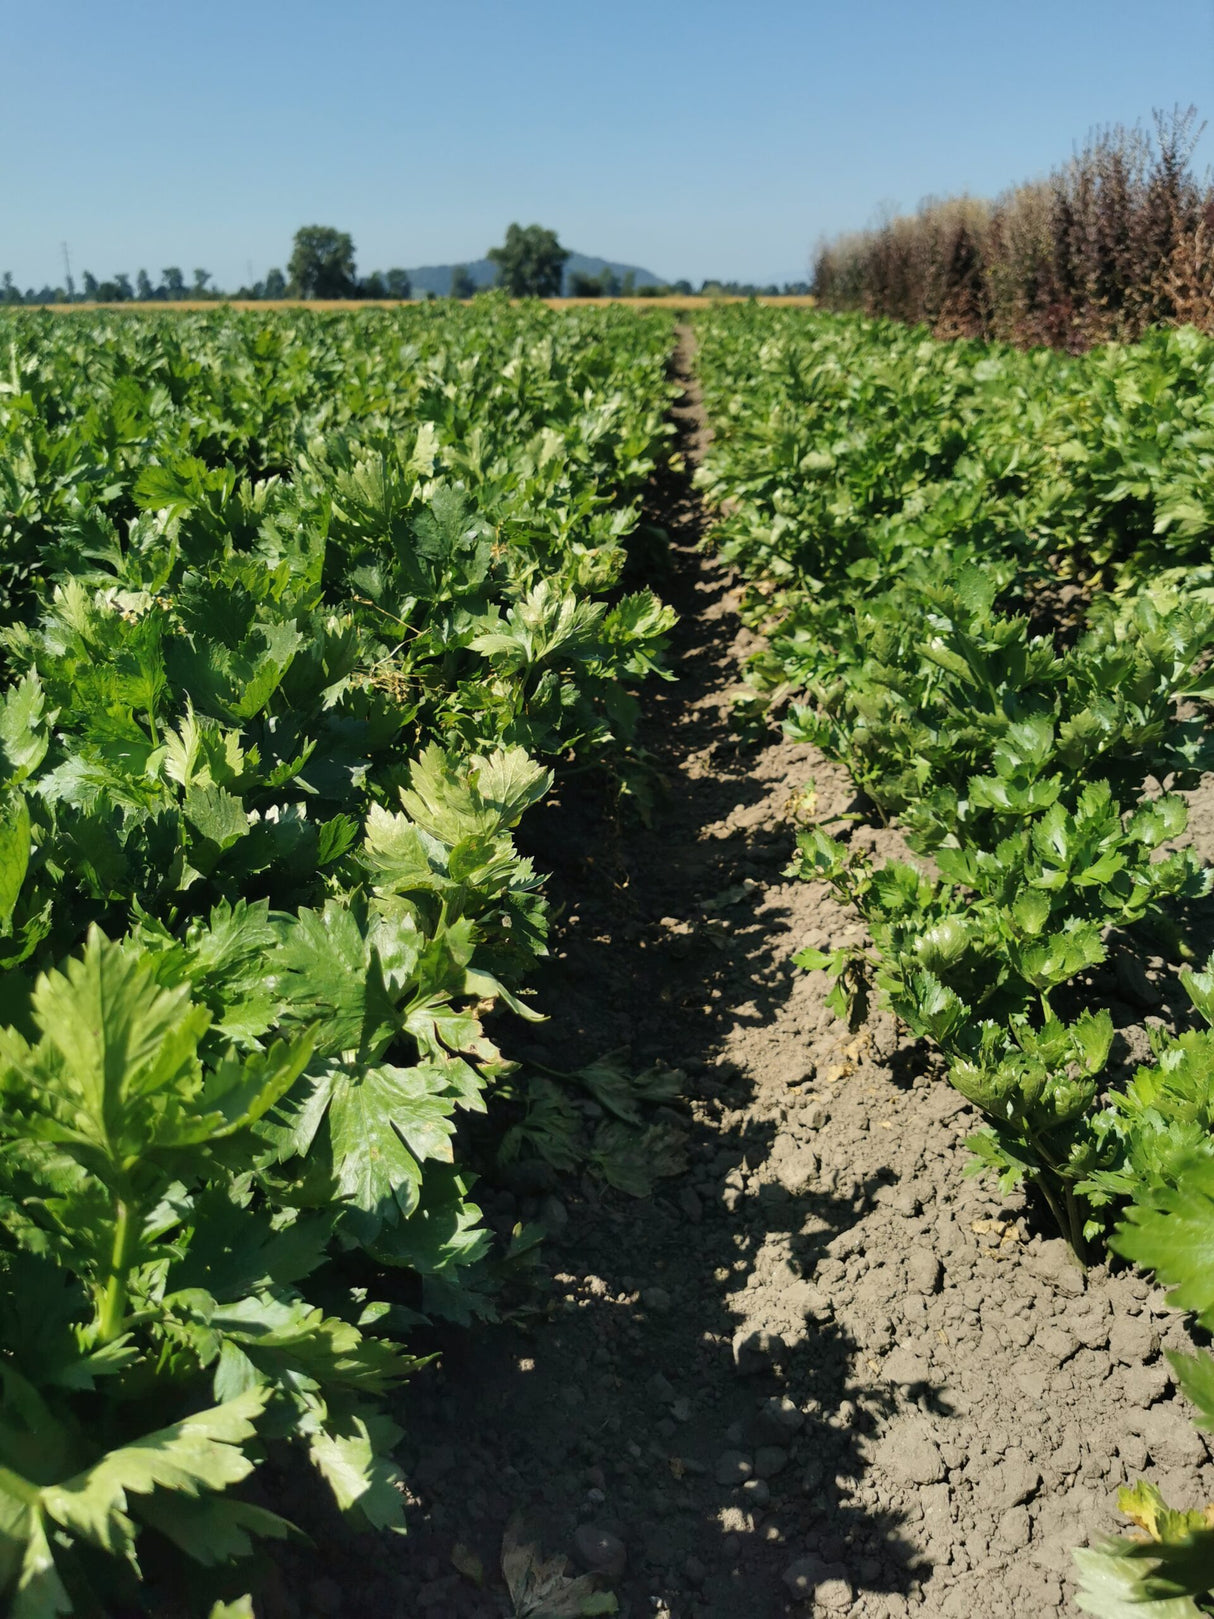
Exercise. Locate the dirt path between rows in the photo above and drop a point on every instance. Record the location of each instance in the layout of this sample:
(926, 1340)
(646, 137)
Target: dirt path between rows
(821, 1371)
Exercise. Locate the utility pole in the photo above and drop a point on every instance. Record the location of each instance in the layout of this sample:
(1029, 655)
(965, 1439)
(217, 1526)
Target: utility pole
(67, 271)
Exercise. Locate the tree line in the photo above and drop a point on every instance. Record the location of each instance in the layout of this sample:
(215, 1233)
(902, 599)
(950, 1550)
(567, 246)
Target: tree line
(321, 266)
(530, 263)
(609, 285)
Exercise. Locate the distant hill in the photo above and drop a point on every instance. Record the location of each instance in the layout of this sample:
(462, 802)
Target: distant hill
(436, 278)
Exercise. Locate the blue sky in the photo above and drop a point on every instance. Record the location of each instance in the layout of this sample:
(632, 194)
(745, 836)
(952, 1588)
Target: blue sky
(694, 139)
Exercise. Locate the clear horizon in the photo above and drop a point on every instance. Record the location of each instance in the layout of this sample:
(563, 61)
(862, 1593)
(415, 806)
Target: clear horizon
(694, 142)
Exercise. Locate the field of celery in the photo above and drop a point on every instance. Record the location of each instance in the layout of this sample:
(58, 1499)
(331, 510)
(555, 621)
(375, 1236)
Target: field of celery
(301, 614)
(984, 582)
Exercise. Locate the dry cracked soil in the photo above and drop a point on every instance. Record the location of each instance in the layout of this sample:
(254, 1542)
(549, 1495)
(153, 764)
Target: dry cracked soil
(822, 1371)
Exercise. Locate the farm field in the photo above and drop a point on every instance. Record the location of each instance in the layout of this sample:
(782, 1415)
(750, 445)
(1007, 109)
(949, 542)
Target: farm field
(351, 305)
(298, 615)
(374, 690)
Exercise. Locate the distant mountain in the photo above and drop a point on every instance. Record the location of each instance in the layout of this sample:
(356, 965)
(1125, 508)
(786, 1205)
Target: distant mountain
(436, 278)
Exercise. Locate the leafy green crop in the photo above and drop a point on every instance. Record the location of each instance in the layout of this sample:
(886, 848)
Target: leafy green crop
(1166, 1114)
(1159, 1574)
(901, 506)
(299, 615)
(874, 499)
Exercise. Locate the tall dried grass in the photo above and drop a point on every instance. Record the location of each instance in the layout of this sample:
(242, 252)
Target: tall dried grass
(1118, 239)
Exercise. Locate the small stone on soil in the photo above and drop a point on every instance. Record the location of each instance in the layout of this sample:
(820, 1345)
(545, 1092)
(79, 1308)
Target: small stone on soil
(826, 1584)
(770, 1460)
(733, 1467)
(600, 1551)
(781, 1416)
(923, 1271)
(1133, 1340)
(755, 1352)
(910, 1453)
(905, 1368)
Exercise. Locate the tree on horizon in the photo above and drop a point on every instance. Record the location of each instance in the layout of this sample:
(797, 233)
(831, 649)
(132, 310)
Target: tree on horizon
(322, 263)
(530, 262)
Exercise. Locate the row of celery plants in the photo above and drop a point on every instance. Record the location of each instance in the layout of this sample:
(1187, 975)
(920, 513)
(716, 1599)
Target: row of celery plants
(302, 613)
(894, 501)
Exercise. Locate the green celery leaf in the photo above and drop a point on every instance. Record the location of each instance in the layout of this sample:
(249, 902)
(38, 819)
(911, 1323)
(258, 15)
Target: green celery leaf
(384, 1122)
(351, 1460)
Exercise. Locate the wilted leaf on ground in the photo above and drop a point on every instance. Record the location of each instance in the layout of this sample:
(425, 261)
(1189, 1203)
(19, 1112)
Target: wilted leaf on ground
(542, 1590)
